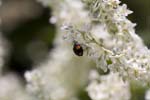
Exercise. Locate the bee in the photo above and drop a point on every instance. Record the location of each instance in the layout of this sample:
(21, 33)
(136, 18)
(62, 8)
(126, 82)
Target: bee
(77, 48)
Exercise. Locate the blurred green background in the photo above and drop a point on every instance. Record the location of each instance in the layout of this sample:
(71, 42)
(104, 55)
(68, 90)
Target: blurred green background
(25, 24)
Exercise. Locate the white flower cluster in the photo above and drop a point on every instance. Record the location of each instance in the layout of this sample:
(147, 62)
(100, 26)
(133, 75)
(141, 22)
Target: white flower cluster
(63, 74)
(120, 49)
(11, 89)
(57, 80)
(107, 36)
(108, 87)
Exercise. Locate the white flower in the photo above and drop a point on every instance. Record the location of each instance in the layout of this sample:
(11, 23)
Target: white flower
(120, 50)
(111, 2)
(63, 74)
(109, 87)
(59, 78)
(11, 89)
